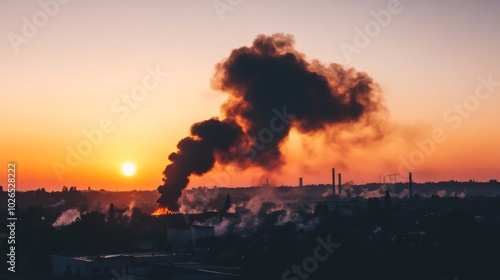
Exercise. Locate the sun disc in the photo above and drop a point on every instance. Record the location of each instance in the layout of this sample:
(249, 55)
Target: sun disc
(128, 169)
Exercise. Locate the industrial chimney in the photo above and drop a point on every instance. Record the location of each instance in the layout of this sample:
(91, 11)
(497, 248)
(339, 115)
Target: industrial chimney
(410, 182)
(300, 182)
(333, 180)
(340, 184)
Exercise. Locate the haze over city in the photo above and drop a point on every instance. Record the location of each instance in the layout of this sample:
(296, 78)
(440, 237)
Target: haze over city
(233, 139)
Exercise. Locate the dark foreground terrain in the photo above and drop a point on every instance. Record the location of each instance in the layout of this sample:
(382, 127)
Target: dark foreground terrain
(269, 233)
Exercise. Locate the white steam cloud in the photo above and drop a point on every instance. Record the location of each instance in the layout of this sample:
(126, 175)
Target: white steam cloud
(67, 217)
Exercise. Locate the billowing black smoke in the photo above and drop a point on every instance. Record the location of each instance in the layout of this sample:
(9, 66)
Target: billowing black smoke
(196, 155)
(272, 88)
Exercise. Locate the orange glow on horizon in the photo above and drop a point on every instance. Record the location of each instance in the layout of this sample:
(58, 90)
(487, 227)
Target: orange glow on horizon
(59, 88)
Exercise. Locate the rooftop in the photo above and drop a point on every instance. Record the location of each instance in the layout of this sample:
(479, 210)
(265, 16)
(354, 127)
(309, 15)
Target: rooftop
(123, 255)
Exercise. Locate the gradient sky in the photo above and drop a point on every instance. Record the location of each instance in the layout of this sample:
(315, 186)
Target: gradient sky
(67, 76)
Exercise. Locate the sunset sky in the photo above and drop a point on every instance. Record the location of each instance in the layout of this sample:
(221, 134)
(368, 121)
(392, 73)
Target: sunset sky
(65, 69)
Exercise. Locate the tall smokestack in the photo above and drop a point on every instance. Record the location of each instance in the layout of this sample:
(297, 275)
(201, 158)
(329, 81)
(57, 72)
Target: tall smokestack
(340, 184)
(267, 181)
(300, 182)
(333, 180)
(410, 182)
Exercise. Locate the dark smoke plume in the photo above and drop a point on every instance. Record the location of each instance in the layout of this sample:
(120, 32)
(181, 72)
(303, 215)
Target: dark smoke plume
(196, 155)
(272, 89)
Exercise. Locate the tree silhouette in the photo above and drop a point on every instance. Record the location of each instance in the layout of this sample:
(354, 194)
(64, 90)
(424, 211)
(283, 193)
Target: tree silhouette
(227, 204)
(111, 213)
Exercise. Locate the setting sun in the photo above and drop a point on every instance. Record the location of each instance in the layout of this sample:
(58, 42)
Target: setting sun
(128, 169)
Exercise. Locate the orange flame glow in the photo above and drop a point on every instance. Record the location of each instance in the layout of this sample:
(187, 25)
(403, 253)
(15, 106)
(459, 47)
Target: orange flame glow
(162, 211)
